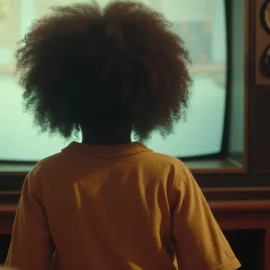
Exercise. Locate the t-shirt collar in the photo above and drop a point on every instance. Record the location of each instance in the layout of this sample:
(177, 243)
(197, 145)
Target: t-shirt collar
(106, 151)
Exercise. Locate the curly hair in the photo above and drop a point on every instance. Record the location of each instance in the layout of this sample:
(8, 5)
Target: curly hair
(85, 65)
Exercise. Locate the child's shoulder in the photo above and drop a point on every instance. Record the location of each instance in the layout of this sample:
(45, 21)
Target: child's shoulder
(47, 164)
(163, 161)
(163, 158)
(50, 160)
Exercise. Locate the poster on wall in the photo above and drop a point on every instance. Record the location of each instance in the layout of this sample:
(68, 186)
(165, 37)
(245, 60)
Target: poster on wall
(9, 34)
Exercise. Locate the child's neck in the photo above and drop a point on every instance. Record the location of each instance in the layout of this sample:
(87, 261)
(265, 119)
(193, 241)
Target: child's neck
(109, 138)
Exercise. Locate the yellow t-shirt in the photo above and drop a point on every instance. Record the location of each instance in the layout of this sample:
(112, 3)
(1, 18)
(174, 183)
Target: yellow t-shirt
(115, 207)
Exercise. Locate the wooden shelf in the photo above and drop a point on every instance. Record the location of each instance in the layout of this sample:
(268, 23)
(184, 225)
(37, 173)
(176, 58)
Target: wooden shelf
(243, 206)
(231, 216)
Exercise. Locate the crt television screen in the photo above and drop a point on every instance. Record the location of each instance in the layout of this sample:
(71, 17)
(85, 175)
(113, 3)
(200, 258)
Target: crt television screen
(202, 25)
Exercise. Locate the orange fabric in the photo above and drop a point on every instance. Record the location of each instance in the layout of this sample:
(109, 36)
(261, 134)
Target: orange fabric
(115, 207)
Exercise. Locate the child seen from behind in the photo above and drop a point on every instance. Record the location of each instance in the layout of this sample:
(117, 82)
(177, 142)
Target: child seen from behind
(108, 203)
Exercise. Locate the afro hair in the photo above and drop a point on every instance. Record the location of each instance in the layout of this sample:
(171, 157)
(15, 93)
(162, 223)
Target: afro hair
(82, 64)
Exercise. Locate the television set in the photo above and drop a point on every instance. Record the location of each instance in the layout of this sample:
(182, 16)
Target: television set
(211, 138)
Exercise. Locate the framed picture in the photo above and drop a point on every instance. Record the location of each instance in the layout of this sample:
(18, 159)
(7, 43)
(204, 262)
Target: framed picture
(9, 34)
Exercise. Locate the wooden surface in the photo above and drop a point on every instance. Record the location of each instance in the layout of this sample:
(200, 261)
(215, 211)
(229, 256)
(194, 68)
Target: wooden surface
(231, 215)
(7, 213)
(218, 207)
(262, 41)
(245, 215)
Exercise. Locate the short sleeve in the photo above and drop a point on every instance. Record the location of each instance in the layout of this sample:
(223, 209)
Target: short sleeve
(31, 244)
(200, 243)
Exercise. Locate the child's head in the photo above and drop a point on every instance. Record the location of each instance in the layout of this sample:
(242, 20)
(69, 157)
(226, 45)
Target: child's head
(104, 69)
